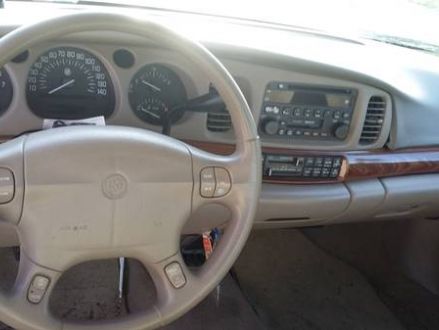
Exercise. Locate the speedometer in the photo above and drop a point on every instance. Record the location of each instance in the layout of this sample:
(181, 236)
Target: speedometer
(69, 83)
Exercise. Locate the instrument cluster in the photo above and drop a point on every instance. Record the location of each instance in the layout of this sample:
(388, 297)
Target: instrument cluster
(69, 82)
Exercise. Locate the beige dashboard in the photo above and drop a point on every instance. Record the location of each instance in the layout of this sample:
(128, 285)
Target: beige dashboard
(251, 77)
(370, 196)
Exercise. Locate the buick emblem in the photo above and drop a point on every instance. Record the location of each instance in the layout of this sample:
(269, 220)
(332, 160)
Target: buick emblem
(114, 186)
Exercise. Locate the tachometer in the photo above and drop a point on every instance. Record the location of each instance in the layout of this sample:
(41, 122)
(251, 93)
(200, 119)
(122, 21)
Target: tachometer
(5, 90)
(69, 83)
(154, 90)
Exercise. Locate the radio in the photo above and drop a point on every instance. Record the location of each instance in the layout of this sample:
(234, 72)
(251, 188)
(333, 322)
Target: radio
(292, 111)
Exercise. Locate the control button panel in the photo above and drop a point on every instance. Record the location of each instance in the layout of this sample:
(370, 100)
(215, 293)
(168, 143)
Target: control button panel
(302, 167)
(306, 112)
(37, 288)
(7, 188)
(175, 275)
(214, 182)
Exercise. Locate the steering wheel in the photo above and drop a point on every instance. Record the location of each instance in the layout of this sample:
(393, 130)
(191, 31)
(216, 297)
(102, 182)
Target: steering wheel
(87, 193)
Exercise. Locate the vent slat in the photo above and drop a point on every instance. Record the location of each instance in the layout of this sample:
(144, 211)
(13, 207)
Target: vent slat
(374, 120)
(219, 121)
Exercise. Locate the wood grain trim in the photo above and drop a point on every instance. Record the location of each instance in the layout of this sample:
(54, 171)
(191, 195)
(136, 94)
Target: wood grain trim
(392, 163)
(356, 165)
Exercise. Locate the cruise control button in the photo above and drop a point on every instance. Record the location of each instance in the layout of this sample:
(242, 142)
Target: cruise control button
(207, 182)
(6, 185)
(175, 275)
(223, 182)
(37, 289)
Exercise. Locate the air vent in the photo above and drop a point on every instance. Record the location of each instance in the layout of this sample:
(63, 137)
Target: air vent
(218, 121)
(376, 110)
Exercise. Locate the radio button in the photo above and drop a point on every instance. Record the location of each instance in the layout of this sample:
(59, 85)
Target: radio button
(287, 111)
(271, 126)
(308, 113)
(297, 122)
(337, 115)
(328, 114)
(341, 132)
(313, 123)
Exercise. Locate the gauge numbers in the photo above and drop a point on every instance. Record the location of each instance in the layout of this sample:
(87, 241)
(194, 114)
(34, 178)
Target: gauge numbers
(69, 83)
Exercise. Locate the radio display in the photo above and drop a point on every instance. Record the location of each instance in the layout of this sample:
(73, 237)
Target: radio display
(307, 97)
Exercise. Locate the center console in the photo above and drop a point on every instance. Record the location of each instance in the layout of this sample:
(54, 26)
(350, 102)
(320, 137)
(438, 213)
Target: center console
(292, 114)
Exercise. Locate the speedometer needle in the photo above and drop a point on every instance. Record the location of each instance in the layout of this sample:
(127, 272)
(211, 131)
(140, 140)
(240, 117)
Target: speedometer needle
(62, 86)
(154, 87)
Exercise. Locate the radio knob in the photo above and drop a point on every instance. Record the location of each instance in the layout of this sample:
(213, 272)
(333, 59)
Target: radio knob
(271, 127)
(341, 132)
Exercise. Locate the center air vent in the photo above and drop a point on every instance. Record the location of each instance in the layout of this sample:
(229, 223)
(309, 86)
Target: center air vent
(376, 110)
(219, 121)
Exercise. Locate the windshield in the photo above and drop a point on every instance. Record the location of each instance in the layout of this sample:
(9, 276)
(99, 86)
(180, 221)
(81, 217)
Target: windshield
(409, 23)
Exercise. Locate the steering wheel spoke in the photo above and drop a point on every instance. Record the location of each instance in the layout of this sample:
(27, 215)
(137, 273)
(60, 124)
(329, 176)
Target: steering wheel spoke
(174, 283)
(30, 295)
(11, 180)
(224, 180)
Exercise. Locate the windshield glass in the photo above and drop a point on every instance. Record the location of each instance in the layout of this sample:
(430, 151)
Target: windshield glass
(410, 23)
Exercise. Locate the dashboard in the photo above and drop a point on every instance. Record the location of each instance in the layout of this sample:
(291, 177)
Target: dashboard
(343, 139)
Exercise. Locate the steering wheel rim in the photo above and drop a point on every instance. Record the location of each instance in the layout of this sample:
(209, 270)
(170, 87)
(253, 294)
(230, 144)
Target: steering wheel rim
(51, 246)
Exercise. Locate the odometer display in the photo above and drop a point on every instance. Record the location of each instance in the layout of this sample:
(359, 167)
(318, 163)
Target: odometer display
(69, 83)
